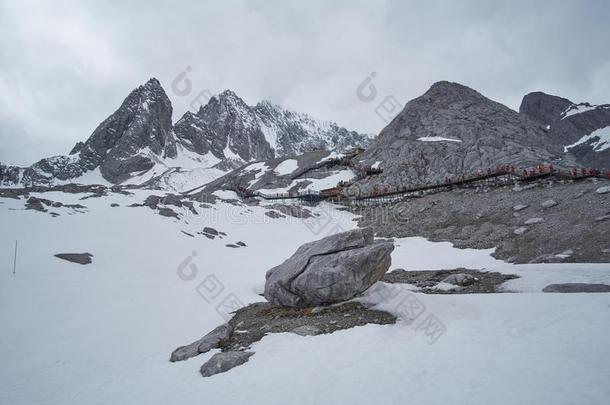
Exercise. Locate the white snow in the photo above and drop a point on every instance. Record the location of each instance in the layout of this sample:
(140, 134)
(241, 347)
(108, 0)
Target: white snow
(286, 167)
(376, 164)
(599, 145)
(260, 168)
(91, 177)
(315, 184)
(103, 333)
(437, 139)
(578, 109)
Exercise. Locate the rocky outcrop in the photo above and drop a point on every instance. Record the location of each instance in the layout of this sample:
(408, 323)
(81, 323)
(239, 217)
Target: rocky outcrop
(577, 288)
(223, 362)
(330, 270)
(253, 322)
(79, 258)
(582, 129)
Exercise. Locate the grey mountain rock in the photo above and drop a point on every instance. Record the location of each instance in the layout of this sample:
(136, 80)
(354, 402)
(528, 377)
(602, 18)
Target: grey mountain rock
(79, 258)
(205, 344)
(330, 270)
(452, 130)
(225, 134)
(574, 126)
(224, 361)
(576, 288)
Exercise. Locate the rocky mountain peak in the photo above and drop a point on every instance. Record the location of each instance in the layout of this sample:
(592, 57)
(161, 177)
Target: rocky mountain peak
(543, 107)
(450, 130)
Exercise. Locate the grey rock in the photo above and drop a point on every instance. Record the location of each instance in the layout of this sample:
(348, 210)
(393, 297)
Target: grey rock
(168, 212)
(231, 245)
(549, 258)
(577, 288)
(79, 258)
(520, 231)
(603, 190)
(330, 270)
(205, 344)
(460, 279)
(567, 122)
(242, 244)
(535, 220)
(210, 231)
(172, 199)
(152, 201)
(274, 214)
(520, 207)
(224, 361)
(603, 218)
(548, 203)
(306, 330)
(36, 204)
(486, 133)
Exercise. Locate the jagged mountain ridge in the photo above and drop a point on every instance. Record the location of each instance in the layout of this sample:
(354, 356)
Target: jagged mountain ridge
(225, 133)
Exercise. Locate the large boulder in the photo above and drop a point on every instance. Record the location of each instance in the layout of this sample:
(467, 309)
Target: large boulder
(330, 270)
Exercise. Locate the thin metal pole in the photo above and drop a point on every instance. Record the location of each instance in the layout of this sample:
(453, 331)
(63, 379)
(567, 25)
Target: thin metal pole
(15, 259)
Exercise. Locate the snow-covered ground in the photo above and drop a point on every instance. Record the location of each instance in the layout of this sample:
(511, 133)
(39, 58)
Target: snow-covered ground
(102, 333)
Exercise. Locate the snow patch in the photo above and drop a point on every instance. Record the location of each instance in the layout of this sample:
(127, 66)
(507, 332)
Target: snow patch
(599, 145)
(437, 139)
(286, 167)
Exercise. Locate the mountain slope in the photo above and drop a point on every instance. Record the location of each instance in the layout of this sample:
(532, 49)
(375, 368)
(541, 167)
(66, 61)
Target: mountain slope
(451, 130)
(138, 142)
(582, 129)
(230, 129)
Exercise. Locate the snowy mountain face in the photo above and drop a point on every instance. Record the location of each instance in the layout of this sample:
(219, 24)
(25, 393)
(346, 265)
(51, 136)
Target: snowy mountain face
(582, 129)
(231, 130)
(138, 143)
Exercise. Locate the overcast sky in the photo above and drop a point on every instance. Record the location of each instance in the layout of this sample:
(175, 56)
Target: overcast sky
(66, 65)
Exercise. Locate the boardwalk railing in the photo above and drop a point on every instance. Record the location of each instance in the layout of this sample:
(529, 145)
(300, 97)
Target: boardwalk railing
(498, 176)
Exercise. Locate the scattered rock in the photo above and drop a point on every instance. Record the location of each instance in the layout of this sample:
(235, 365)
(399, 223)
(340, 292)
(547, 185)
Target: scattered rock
(171, 199)
(152, 201)
(476, 281)
(548, 203)
(36, 204)
(330, 270)
(603, 218)
(576, 288)
(230, 245)
(210, 231)
(80, 258)
(520, 231)
(520, 207)
(188, 234)
(205, 344)
(460, 279)
(223, 362)
(242, 244)
(533, 221)
(274, 214)
(292, 210)
(306, 330)
(114, 205)
(603, 190)
(253, 322)
(168, 212)
(549, 258)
